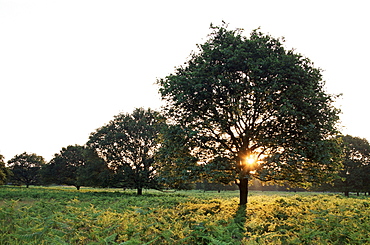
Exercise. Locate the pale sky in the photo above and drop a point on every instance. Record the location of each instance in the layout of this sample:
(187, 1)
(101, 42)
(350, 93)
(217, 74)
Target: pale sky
(68, 66)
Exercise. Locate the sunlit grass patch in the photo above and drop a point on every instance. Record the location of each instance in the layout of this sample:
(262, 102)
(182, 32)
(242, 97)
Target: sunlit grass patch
(104, 216)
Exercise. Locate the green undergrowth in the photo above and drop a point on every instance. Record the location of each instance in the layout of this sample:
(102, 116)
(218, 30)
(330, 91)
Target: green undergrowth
(46, 215)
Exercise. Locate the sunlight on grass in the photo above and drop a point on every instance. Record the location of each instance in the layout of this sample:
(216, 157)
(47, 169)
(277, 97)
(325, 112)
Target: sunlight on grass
(41, 215)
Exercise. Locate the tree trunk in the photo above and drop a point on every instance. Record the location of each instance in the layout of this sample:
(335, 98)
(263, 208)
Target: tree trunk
(243, 190)
(346, 193)
(78, 187)
(139, 191)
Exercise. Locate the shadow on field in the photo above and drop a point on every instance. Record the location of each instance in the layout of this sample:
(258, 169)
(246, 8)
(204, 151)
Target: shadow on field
(239, 220)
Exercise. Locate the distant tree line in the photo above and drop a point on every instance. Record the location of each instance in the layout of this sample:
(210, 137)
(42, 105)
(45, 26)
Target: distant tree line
(120, 154)
(126, 153)
(354, 175)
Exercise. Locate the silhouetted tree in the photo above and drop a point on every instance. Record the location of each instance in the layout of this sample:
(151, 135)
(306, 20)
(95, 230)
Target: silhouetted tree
(77, 166)
(4, 171)
(26, 168)
(128, 144)
(355, 173)
(254, 110)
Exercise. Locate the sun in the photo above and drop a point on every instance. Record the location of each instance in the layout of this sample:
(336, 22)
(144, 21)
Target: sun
(251, 159)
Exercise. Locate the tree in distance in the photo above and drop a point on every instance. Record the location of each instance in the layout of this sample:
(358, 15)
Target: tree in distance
(77, 166)
(128, 144)
(175, 165)
(253, 110)
(355, 175)
(95, 172)
(4, 171)
(26, 168)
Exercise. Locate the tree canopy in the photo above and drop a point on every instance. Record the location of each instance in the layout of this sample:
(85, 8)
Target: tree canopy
(175, 165)
(356, 171)
(128, 144)
(62, 169)
(26, 168)
(77, 166)
(254, 109)
(4, 171)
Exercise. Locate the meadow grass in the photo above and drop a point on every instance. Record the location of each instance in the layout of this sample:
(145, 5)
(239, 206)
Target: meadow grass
(63, 215)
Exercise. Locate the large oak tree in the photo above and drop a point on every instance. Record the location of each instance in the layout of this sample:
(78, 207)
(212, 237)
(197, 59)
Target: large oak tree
(254, 109)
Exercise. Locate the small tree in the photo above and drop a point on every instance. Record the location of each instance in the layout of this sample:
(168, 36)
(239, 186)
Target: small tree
(355, 172)
(77, 166)
(26, 168)
(128, 144)
(4, 171)
(95, 171)
(175, 165)
(64, 167)
(254, 110)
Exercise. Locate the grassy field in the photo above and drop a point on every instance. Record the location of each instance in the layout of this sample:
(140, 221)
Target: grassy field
(55, 215)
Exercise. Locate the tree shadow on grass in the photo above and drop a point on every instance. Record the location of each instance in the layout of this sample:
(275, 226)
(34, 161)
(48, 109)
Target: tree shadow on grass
(238, 223)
